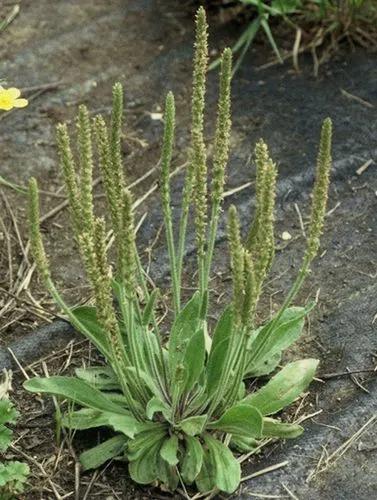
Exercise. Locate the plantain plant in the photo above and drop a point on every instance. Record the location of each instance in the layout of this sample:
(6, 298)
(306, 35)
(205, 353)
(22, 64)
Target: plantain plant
(178, 406)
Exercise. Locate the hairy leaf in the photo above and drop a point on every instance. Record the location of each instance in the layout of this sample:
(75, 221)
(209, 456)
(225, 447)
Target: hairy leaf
(75, 390)
(93, 458)
(138, 446)
(205, 480)
(266, 347)
(193, 360)
(192, 460)
(243, 444)
(86, 418)
(193, 425)
(169, 450)
(275, 428)
(144, 469)
(223, 328)
(87, 316)
(184, 327)
(167, 474)
(156, 405)
(149, 308)
(242, 420)
(284, 387)
(227, 470)
(220, 345)
(100, 377)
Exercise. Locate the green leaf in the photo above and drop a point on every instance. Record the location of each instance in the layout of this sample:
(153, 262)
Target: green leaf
(5, 437)
(215, 366)
(145, 440)
(93, 458)
(167, 474)
(220, 345)
(241, 419)
(87, 316)
(13, 475)
(86, 418)
(194, 358)
(227, 470)
(193, 425)
(147, 379)
(169, 450)
(223, 328)
(184, 327)
(205, 480)
(8, 413)
(275, 428)
(156, 405)
(267, 30)
(243, 444)
(144, 469)
(100, 377)
(284, 387)
(126, 424)
(192, 460)
(75, 390)
(264, 367)
(266, 346)
(149, 308)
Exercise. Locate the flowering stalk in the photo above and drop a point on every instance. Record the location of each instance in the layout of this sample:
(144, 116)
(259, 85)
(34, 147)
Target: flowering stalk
(197, 163)
(166, 156)
(42, 264)
(319, 203)
(221, 155)
(67, 164)
(115, 139)
(86, 167)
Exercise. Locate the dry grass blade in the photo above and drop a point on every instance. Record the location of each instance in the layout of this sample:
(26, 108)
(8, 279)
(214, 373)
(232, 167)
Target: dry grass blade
(10, 18)
(267, 470)
(327, 460)
(356, 98)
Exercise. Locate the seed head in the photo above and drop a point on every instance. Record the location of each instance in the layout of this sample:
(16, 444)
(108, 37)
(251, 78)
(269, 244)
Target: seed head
(320, 191)
(261, 236)
(86, 167)
(68, 168)
(167, 151)
(222, 136)
(107, 171)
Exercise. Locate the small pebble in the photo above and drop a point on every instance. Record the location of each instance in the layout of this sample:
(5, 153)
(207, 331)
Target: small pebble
(285, 236)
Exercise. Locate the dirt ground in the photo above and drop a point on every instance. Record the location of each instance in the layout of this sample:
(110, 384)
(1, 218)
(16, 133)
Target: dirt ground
(85, 46)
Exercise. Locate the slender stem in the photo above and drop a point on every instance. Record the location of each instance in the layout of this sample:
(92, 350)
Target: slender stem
(166, 157)
(146, 293)
(76, 323)
(173, 264)
(290, 297)
(183, 224)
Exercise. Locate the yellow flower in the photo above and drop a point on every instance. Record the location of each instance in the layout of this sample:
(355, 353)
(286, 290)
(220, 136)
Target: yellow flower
(9, 99)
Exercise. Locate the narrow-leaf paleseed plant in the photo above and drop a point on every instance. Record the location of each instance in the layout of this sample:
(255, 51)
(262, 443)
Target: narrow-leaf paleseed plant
(179, 408)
